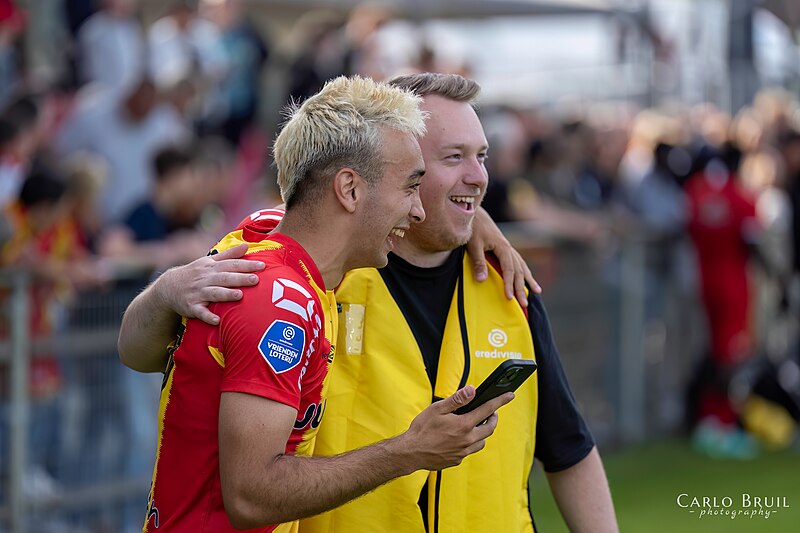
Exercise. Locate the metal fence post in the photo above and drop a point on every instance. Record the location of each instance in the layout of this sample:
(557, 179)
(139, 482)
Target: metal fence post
(632, 364)
(20, 399)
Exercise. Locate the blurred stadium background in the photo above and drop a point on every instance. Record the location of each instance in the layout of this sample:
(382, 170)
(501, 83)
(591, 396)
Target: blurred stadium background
(598, 112)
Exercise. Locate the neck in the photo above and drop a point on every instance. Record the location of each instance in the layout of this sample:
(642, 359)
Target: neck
(321, 241)
(419, 257)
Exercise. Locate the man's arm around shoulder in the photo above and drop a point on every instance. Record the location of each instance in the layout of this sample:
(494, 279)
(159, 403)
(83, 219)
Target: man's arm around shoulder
(151, 320)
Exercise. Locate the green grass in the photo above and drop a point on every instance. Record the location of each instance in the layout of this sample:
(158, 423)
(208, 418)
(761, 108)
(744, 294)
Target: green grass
(646, 481)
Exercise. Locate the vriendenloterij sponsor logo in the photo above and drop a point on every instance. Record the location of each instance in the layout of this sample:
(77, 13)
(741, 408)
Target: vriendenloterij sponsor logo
(740, 506)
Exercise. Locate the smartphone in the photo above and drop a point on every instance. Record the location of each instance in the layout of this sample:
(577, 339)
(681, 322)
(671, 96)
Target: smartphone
(507, 377)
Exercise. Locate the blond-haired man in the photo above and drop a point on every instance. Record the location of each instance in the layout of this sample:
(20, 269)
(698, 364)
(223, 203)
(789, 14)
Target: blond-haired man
(241, 403)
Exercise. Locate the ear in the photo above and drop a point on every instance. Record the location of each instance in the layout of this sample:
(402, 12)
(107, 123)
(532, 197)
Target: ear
(348, 187)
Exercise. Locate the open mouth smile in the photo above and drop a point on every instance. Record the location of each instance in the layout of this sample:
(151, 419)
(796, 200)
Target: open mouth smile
(467, 203)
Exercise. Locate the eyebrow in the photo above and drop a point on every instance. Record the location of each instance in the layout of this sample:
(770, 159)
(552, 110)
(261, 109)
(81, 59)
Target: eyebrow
(416, 174)
(462, 146)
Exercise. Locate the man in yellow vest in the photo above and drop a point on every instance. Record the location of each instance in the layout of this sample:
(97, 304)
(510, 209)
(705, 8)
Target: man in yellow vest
(420, 328)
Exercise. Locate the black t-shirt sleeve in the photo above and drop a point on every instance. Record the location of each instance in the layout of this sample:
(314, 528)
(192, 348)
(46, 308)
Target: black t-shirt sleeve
(562, 437)
(146, 224)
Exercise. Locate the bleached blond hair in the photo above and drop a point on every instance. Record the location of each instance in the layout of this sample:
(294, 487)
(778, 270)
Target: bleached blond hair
(341, 127)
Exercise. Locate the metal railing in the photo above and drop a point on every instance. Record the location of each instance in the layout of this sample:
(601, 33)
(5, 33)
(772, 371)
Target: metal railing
(70, 458)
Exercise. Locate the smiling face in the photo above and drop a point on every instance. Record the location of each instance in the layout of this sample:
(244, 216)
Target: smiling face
(454, 149)
(393, 200)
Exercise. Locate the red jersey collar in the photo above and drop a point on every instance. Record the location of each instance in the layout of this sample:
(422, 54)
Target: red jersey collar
(299, 253)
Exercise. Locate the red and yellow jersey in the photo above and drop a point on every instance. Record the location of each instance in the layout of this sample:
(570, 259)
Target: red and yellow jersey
(276, 342)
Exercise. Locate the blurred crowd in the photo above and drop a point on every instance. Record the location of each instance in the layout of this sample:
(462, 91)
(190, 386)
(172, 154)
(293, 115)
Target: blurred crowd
(152, 141)
(712, 199)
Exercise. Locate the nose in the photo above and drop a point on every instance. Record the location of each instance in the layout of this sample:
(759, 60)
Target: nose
(476, 174)
(417, 213)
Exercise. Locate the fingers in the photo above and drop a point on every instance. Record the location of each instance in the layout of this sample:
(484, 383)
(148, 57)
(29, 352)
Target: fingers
(231, 253)
(475, 448)
(479, 266)
(508, 268)
(485, 430)
(232, 280)
(532, 283)
(230, 260)
(212, 294)
(456, 400)
(475, 249)
(517, 277)
(238, 265)
(480, 433)
(202, 313)
(220, 294)
(486, 410)
(519, 289)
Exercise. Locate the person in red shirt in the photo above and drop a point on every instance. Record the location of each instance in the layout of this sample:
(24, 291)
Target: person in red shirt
(722, 224)
(241, 402)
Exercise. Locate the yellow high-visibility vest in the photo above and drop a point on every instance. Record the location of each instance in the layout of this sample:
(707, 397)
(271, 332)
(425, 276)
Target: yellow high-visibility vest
(378, 384)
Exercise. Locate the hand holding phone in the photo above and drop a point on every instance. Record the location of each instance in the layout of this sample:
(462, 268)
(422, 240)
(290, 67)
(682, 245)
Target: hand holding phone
(507, 377)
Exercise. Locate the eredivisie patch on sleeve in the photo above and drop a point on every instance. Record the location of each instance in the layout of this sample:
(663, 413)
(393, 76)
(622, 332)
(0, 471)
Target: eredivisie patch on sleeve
(282, 345)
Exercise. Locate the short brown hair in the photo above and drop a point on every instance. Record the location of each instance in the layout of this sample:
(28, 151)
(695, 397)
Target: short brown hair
(450, 86)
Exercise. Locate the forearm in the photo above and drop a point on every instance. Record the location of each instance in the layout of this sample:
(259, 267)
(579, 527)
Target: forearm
(583, 496)
(312, 485)
(148, 326)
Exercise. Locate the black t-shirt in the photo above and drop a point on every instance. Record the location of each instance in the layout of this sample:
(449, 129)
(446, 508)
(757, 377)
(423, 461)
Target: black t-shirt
(147, 224)
(424, 296)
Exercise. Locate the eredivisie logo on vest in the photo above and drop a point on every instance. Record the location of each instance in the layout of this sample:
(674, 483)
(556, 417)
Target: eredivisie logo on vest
(497, 339)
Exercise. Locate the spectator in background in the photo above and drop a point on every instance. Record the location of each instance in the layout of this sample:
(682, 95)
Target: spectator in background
(657, 199)
(315, 53)
(44, 243)
(762, 177)
(589, 188)
(111, 46)
(12, 171)
(158, 232)
(76, 12)
(237, 96)
(32, 216)
(125, 133)
(722, 224)
(86, 176)
(19, 141)
(514, 196)
(12, 23)
(183, 46)
(225, 195)
(360, 46)
(506, 194)
(790, 151)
